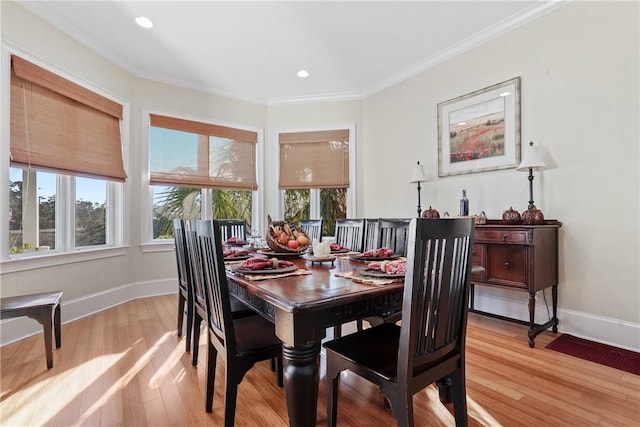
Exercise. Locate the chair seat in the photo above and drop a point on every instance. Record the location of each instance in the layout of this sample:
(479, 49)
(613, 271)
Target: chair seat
(381, 343)
(255, 334)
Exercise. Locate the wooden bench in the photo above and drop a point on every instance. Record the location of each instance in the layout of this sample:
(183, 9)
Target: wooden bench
(43, 307)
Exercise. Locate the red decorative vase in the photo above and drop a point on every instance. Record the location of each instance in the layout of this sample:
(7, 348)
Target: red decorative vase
(511, 217)
(532, 216)
(430, 213)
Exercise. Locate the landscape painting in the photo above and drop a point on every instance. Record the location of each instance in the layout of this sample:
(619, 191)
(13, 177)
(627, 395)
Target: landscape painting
(480, 131)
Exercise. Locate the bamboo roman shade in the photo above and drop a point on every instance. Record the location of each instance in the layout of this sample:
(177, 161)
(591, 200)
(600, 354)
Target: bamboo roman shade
(62, 127)
(314, 159)
(201, 155)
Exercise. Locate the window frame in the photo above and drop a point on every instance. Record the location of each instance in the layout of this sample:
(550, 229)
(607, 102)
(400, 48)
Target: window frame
(150, 244)
(314, 193)
(65, 186)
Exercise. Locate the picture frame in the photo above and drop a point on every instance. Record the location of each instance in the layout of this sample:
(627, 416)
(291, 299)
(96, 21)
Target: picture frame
(480, 131)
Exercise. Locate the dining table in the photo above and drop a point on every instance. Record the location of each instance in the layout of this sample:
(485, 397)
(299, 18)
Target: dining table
(303, 305)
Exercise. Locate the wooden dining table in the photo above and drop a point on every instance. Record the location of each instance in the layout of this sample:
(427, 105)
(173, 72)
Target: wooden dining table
(302, 307)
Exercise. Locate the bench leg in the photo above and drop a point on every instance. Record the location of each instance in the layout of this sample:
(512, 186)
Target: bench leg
(47, 323)
(56, 325)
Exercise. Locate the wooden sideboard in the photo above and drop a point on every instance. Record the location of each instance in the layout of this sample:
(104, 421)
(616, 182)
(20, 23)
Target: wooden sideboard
(519, 257)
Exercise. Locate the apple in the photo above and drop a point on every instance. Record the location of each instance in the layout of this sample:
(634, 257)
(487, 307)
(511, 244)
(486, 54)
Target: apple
(293, 244)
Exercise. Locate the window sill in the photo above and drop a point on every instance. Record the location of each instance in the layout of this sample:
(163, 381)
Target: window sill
(60, 258)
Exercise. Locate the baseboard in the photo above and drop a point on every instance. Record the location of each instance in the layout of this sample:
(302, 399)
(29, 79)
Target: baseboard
(515, 305)
(12, 330)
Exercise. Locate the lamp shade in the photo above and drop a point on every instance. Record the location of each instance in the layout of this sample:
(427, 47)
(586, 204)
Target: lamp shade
(532, 160)
(418, 174)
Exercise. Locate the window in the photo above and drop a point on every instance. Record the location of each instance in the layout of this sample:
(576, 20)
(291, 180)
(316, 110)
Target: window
(199, 170)
(65, 168)
(315, 174)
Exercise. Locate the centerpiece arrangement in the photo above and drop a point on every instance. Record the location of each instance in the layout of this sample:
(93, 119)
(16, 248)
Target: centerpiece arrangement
(285, 237)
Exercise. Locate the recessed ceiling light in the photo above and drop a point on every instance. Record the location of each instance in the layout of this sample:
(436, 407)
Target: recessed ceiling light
(303, 73)
(144, 22)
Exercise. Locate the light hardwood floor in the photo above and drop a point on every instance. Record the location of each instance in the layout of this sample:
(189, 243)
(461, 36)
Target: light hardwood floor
(126, 366)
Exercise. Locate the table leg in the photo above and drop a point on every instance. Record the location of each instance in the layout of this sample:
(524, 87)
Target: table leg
(301, 383)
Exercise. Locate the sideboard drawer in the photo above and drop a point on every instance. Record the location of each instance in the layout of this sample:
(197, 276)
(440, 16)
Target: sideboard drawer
(506, 265)
(520, 237)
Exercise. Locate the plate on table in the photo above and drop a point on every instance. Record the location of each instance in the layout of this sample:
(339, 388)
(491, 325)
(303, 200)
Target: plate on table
(341, 251)
(238, 257)
(370, 272)
(267, 270)
(271, 253)
(359, 257)
(235, 242)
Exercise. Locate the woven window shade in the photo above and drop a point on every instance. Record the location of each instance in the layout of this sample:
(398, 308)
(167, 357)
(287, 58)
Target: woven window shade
(59, 126)
(203, 155)
(314, 159)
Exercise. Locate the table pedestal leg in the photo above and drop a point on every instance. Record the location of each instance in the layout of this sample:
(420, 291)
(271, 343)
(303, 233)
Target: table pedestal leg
(301, 383)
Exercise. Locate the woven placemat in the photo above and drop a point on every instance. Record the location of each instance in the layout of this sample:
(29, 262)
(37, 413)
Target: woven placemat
(256, 277)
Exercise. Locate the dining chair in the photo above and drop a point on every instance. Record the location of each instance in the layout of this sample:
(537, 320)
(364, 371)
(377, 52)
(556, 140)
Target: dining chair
(233, 228)
(350, 233)
(393, 234)
(429, 345)
(370, 240)
(199, 309)
(241, 342)
(185, 296)
(312, 228)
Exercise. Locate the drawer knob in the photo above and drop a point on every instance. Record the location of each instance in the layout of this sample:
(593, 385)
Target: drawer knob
(504, 237)
(506, 265)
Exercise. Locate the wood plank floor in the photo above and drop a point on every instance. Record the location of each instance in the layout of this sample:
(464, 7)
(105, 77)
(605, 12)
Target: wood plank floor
(126, 367)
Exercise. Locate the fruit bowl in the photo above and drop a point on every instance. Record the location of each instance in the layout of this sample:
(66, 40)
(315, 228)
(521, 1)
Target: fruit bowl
(283, 236)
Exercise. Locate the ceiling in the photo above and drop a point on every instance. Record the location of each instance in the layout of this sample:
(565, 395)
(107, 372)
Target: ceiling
(252, 50)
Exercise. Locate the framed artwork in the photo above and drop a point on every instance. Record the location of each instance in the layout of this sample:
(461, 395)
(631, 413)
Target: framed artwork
(480, 131)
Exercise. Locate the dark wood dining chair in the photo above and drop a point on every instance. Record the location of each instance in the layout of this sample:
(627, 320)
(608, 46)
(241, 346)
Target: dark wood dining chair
(312, 228)
(393, 234)
(232, 228)
(241, 342)
(185, 294)
(197, 287)
(350, 233)
(429, 345)
(370, 240)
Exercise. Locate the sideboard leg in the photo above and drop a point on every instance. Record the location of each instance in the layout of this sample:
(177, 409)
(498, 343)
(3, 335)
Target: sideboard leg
(532, 318)
(554, 298)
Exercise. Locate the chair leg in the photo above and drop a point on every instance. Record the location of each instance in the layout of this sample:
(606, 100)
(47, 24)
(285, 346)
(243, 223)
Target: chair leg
(359, 325)
(181, 301)
(402, 407)
(337, 331)
(279, 368)
(189, 325)
(212, 356)
(197, 320)
(230, 396)
(459, 395)
(333, 385)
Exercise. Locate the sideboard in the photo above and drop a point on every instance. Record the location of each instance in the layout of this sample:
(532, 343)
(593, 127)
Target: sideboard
(519, 257)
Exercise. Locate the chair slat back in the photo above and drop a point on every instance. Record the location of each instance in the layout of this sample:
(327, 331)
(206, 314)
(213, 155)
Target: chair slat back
(370, 240)
(232, 228)
(434, 312)
(350, 233)
(312, 228)
(393, 234)
(181, 254)
(195, 260)
(214, 276)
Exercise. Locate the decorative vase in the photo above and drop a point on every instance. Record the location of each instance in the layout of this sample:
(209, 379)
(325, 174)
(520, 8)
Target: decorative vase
(511, 216)
(532, 216)
(430, 213)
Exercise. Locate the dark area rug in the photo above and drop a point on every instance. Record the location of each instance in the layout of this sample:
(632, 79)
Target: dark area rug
(625, 360)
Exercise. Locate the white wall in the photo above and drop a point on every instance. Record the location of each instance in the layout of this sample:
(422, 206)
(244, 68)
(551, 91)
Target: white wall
(580, 94)
(579, 72)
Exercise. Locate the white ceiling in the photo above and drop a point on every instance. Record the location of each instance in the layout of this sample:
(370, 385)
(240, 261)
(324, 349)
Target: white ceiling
(252, 50)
